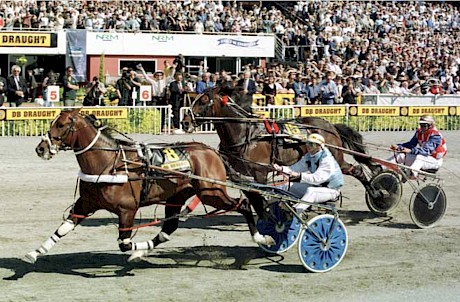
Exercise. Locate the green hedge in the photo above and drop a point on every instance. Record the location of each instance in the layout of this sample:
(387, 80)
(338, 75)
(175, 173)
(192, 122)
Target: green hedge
(138, 121)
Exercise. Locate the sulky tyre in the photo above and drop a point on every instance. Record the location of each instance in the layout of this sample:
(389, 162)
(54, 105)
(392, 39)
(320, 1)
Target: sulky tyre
(388, 186)
(428, 206)
(282, 226)
(321, 254)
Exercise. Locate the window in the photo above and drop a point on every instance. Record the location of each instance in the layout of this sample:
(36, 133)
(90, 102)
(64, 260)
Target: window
(150, 66)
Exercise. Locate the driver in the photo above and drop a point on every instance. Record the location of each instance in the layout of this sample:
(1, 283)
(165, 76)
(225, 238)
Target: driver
(425, 150)
(318, 173)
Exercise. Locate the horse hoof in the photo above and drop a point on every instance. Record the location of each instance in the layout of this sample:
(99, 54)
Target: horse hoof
(31, 257)
(137, 256)
(269, 241)
(264, 240)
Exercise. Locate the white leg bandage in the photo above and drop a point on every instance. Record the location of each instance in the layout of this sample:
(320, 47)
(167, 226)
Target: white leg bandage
(146, 245)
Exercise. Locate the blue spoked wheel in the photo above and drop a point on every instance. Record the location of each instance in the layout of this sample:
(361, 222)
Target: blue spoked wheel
(318, 255)
(281, 226)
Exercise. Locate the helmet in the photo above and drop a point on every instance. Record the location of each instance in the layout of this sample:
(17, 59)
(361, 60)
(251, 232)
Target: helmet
(426, 119)
(316, 138)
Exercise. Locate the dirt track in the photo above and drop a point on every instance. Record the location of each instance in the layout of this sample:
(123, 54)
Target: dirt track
(388, 259)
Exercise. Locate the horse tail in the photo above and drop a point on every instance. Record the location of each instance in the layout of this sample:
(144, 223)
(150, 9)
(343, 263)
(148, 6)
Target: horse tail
(353, 140)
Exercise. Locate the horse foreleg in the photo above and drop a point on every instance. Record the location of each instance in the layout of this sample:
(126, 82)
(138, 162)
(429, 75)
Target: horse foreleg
(245, 210)
(68, 225)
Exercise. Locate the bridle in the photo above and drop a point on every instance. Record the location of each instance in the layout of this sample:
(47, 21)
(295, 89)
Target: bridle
(68, 134)
(208, 109)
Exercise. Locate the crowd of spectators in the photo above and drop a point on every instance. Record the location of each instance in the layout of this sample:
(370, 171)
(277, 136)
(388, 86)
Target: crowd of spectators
(402, 48)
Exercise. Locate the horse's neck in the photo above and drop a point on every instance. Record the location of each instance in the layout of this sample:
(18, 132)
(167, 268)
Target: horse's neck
(94, 161)
(236, 134)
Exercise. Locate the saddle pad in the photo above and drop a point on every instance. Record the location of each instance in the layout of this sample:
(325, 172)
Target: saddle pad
(171, 158)
(294, 131)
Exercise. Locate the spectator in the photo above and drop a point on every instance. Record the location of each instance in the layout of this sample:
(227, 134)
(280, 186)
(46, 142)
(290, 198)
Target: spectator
(269, 90)
(94, 91)
(49, 80)
(135, 84)
(204, 83)
(179, 63)
(3, 88)
(177, 91)
(299, 90)
(247, 88)
(70, 85)
(159, 84)
(16, 87)
(31, 85)
(349, 92)
(328, 90)
(124, 89)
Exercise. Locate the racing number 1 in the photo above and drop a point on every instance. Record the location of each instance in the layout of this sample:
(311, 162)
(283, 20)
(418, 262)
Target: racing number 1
(170, 154)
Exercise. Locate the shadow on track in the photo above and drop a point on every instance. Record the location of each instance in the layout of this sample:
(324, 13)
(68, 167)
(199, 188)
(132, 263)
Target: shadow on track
(109, 265)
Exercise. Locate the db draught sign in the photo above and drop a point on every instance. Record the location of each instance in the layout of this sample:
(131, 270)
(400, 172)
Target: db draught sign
(146, 93)
(52, 94)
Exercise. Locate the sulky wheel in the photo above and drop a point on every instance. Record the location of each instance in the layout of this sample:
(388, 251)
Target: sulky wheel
(320, 255)
(384, 193)
(428, 206)
(282, 226)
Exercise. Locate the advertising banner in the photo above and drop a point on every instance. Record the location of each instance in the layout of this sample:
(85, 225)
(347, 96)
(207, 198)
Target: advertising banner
(76, 53)
(377, 110)
(26, 39)
(31, 114)
(51, 113)
(430, 110)
(20, 42)
(174, 44)
(323, 110)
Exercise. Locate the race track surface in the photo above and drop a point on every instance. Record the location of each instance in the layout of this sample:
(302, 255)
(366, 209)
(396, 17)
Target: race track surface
(214, 259)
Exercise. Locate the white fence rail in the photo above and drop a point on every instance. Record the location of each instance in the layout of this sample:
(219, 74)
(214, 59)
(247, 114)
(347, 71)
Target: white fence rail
(158, 119)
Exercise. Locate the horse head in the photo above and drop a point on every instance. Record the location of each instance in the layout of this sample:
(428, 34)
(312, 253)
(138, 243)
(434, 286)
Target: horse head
(61, 135)
(202, 107)
(213, 103)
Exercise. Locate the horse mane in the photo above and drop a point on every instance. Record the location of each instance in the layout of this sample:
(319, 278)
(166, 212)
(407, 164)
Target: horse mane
(232, 93)
(108, 132)
(354, 140)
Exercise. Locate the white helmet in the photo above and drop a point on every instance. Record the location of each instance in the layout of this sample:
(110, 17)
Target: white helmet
(426, 119)
(316, 138)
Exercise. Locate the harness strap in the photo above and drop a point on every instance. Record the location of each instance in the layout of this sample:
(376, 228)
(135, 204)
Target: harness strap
(90, 144)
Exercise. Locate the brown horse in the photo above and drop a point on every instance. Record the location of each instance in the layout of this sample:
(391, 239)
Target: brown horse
(114, 177)
(250, 149)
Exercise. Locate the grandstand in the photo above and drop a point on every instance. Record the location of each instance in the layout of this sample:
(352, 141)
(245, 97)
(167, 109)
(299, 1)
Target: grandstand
(402, 48)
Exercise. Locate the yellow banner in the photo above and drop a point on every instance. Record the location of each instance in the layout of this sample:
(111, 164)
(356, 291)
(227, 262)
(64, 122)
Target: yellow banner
(26, 40)
(322, 111)
(31, 114)
(378, 110)
(431, 110)
(105, 113)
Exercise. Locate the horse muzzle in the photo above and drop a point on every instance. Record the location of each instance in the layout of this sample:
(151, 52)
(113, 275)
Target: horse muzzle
(188, 126)
(45, 149)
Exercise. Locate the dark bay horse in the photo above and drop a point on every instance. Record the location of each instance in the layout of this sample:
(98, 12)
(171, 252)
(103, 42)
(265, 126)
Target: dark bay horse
(250, 149)
(111, 179)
